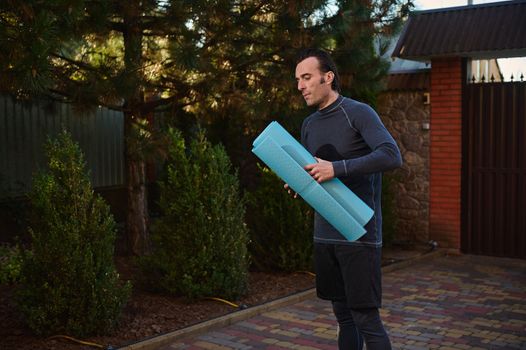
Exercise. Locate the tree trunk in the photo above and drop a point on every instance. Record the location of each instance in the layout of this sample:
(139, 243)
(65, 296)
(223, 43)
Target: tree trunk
(137, 208)
(137, 200)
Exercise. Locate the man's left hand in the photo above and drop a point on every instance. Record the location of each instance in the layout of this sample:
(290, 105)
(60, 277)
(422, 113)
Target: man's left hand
(321, 171)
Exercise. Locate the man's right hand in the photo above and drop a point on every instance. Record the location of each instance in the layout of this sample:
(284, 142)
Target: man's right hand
(291, 192)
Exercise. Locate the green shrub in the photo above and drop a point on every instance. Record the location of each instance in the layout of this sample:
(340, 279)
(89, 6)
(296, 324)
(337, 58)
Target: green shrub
(10, 264)
(199, 242)
(280, 227)
(68, 282)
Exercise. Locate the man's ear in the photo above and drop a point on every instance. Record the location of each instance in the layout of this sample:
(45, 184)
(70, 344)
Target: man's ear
(330, 77)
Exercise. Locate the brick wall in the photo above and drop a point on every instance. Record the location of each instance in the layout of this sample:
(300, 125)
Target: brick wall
(445, 152)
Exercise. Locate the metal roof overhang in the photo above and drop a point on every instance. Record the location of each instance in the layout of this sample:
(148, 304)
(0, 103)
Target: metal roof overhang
(494, 30)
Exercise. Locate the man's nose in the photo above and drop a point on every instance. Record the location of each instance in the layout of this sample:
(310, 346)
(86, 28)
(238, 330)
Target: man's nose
(301, 85)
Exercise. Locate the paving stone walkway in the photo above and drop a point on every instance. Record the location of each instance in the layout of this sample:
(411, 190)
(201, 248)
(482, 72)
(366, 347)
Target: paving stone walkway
(450, 302)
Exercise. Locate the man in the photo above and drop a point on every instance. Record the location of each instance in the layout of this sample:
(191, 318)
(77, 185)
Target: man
(349, 142)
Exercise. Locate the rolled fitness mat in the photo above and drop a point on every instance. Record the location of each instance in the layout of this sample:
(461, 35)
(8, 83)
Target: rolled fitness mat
(331, 199)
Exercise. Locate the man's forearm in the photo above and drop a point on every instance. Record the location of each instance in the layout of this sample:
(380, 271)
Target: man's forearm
(385, 157)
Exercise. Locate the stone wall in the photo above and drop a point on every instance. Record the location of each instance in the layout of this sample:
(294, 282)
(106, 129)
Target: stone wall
(405, 115)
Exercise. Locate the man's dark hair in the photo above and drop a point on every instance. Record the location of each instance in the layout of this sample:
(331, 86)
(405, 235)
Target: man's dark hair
(325, 62)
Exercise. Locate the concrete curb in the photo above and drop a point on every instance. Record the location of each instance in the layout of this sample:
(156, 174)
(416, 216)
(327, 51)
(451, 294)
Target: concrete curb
(164, 339)
(157, 341)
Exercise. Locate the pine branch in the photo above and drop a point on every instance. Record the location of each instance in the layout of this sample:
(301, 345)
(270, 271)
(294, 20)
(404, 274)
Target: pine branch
(79, 64)
(66, 97)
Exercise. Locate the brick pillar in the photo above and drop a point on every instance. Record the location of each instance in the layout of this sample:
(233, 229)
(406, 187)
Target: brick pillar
(445, 152)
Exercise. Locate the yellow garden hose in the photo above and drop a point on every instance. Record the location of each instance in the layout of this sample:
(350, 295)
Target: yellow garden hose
(241, 307)
(79, 341)
(308, 273)
(223, 301)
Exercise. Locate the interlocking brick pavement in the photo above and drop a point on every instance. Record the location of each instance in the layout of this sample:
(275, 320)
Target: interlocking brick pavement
(451, 302)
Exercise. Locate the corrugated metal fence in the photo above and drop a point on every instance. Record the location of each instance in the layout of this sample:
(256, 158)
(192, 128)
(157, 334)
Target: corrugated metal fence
(24, 130)
(494, 208)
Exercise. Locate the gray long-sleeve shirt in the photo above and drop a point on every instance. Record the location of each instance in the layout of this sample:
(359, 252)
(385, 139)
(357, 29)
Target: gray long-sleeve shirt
(350, 134)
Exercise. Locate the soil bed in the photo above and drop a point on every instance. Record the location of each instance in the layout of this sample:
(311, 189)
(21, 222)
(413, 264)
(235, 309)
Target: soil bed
(148, 314)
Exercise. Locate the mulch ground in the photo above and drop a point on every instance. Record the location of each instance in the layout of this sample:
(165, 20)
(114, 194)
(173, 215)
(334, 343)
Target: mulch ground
(148, 314)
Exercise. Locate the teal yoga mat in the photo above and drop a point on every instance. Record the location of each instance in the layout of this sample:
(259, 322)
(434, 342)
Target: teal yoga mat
(331, 199)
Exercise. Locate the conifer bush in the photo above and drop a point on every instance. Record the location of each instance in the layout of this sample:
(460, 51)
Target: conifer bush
(281, 227)
(200, 239)
(68, 282)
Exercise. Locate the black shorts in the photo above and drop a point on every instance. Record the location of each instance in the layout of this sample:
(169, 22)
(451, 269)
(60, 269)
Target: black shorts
(349, 273)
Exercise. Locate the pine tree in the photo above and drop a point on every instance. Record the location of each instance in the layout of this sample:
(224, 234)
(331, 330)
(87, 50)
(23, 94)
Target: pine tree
(227, 63)
(360, 36)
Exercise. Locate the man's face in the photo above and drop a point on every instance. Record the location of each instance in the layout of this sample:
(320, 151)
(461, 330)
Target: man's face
(314, 85)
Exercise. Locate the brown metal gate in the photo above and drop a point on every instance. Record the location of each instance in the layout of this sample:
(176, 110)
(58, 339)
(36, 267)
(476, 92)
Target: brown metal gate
(494, 170)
